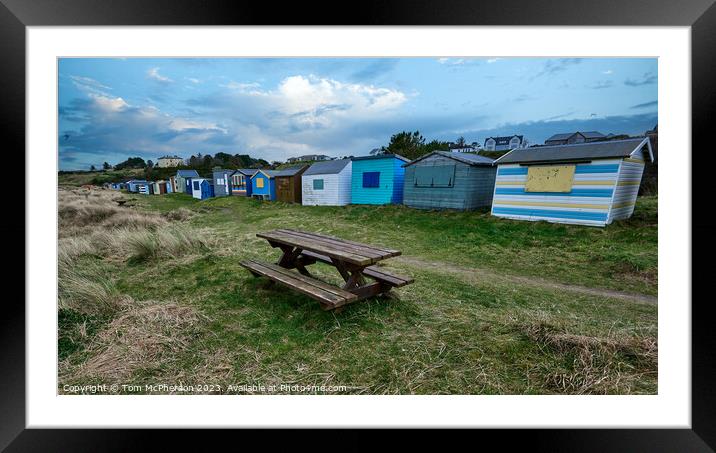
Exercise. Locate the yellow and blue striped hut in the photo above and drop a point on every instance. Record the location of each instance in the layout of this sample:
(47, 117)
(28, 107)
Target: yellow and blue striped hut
(587, 184)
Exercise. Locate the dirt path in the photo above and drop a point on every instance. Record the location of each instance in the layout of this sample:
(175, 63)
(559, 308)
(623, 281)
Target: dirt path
(475, 273)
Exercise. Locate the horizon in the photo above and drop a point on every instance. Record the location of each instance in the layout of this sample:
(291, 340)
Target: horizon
(110, 109)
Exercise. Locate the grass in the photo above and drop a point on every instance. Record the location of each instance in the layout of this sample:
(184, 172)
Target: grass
(190, 313)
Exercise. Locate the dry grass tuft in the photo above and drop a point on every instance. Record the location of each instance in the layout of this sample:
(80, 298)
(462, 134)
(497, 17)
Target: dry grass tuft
(179, 214)
(594, 365)
(88, 293)
(145, 335)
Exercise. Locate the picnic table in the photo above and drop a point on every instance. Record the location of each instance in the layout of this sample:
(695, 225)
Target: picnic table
(355, 262)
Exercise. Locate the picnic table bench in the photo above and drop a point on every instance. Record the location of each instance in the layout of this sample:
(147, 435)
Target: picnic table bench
(353, 260)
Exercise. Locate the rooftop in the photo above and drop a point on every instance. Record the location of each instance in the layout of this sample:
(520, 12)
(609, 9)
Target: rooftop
(577, 152)
(470, 159)
(329, 167)
(383, 156)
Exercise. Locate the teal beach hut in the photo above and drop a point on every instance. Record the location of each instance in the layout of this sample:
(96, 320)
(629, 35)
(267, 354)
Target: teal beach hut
(378, 179)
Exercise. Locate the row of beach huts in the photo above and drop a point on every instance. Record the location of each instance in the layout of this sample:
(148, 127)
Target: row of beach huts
(588, 184)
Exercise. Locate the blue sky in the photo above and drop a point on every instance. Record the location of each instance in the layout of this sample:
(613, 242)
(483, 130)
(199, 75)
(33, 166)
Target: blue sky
(275, 108)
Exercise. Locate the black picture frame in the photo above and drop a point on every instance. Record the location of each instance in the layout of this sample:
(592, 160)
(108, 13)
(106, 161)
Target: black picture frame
(700, 15)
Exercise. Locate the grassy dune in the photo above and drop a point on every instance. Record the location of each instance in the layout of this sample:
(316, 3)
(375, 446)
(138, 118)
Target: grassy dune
(161, 298)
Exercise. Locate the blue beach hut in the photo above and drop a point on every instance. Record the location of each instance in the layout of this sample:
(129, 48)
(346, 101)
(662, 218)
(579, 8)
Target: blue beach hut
(378, 179)
(202, 188)
(263, 185)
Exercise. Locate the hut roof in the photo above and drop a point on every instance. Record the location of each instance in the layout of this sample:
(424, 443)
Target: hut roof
(290, 171)
(578, 152)
(469, 159)
(187, 173)
(383, 156)
(330, 167)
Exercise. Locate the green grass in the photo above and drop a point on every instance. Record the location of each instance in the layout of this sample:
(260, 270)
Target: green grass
(449, 332)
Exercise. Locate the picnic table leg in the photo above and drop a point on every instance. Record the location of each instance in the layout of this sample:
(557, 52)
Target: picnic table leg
(353, 275)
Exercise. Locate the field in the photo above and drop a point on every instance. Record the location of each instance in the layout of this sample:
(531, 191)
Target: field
(153, 294)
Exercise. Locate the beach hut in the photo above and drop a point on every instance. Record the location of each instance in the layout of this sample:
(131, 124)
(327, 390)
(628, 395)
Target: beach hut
(587, 184)
(173, 184)
(378, 179)
(241, 181)
(222, 182)
(202, 188)
(160, 187)
(169, 186)
(133, 184)
(288, 183)
(327, 183)
(449, 180)
(263, 185)
(183, 179)
(145, 187)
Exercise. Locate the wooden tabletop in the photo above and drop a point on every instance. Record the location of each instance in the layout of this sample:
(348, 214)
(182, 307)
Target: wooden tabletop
(341, 249)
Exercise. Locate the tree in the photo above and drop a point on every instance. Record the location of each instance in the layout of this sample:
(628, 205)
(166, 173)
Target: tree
(460, 142)
(407, 144)
(132, 162)
(92, 168)
(106, 166)
(150, 164)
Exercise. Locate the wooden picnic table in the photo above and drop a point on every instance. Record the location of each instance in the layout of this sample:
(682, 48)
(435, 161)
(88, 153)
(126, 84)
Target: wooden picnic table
(354, 261)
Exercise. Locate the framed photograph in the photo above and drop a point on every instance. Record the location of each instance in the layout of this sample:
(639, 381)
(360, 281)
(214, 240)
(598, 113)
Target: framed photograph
(433, 219)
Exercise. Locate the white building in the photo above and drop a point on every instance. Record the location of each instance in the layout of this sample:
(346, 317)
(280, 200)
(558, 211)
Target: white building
(505, 143)
(327, 183)
(169, 161)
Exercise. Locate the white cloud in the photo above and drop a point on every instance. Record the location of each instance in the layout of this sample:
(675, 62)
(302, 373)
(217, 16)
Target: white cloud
(608, 72)
(89, 85)
(492, 60)
(193, 80)
(452, 61)
(153, 73)
(109, 104)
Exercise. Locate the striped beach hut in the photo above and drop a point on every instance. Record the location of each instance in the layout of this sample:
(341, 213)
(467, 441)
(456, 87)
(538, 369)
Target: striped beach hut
(202, 188)
(145, 187)
(241, 181)
(378, 179)
(327, 183)
(587, 184)
(449, 180)
(263, 185)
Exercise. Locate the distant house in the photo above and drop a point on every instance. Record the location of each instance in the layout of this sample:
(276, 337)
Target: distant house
(288, 184)
(222, 182)
(378, 179)
(202, 188)
(572, 138)
(169, 161)
(327, 183)
(183, 178)
(465, 148)
(587, 183)
(263, 185)
(505, 143)
(308, 157)
(241, 181)
(449, 180)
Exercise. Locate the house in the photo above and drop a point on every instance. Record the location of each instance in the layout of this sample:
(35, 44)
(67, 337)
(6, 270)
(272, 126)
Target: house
(378, 179)
(288, 184)
(222, 182)
(327, 183)
(465, 148)
(241, 181)
(160, 187)
(133, 184)
(587, 184)
(308, 158)
(169, 161)
(575, 137)
(202, 188)
(183, 179)
(449, 180)
(263, 185)
(505, 143)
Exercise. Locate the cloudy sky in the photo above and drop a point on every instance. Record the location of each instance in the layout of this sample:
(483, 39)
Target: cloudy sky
(274, 108)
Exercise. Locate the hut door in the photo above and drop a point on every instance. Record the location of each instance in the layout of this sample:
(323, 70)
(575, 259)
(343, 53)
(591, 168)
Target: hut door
(284, 189)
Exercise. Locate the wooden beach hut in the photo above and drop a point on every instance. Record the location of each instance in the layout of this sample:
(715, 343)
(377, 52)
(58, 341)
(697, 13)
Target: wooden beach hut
(202, 188)
(378, 179)
(449, 180)
(288, 183)
(263, 185)
(241, 181)
(327, 183)
(587, 184)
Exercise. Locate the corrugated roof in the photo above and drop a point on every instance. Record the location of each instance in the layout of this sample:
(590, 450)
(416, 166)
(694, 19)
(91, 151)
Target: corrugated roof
(248, 171)
(187, 173)
(329, 167)
(269, 173)
(470, 159)
(290, 171)
(383, 156)
(577, 152)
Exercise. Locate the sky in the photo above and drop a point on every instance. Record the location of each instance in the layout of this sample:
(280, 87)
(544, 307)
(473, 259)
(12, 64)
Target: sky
(274, 108)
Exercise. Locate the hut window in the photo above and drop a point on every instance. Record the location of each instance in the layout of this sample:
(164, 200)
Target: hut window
(371, 179)
(260, 183)
(553, 178)
(196, 185)
(317, 184)
(437, 176)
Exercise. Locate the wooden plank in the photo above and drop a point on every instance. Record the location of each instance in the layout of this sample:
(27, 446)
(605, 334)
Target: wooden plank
(378, 249)
(299, 236)
(371, 271)
(321, 291)
(318, 247)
